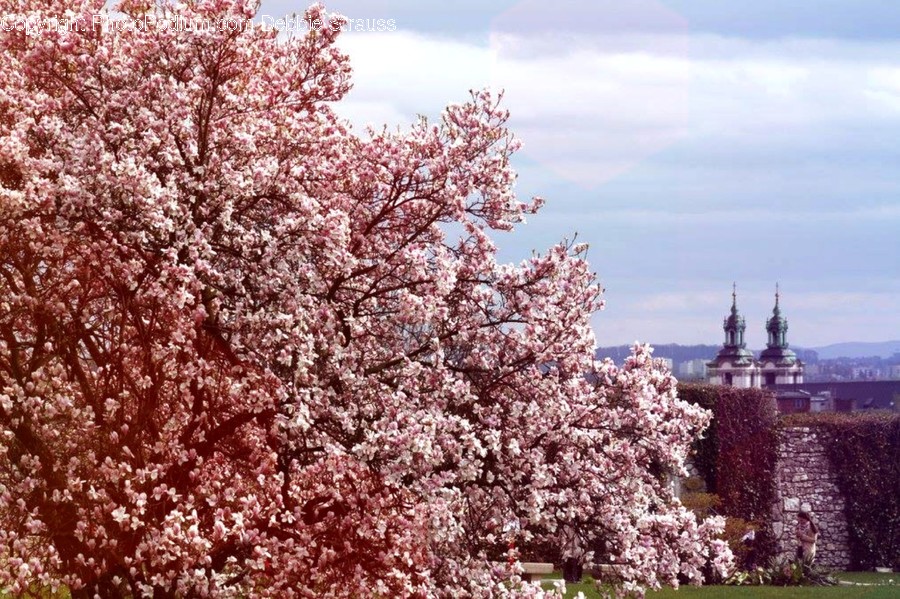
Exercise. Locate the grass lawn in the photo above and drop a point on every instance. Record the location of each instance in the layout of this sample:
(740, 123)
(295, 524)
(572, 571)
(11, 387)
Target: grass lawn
(880, 589)
(872, 585)
(870, 577)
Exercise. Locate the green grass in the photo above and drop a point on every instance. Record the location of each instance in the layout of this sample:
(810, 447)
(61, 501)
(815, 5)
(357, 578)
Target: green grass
(880, 589)
(870, 577)
(877, 586)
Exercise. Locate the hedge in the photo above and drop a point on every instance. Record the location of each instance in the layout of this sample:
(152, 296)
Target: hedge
(736, 454)
(736, 457)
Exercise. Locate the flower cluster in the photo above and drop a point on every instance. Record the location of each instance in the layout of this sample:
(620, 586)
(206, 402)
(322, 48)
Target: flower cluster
(246, 352)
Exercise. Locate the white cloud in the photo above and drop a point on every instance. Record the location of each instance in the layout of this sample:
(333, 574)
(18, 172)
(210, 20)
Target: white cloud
(592, 108)
(410, 72)
(884, 87)
(586, 115)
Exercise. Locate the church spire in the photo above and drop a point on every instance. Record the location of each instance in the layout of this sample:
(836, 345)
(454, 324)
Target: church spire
(734, 325)
(734, 297)
(776, 311)
(779, 363)
(734, 365)
(777, 326)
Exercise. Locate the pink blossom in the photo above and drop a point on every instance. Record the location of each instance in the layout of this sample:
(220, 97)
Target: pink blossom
(241, 354)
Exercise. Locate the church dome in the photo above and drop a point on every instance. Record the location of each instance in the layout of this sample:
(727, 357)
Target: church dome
(777, 346)
(734, 350)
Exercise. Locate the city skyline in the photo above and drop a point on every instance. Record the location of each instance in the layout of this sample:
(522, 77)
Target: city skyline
(691, 144)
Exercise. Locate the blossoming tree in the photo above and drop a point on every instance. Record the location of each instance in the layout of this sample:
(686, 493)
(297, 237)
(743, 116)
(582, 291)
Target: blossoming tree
(241, 354)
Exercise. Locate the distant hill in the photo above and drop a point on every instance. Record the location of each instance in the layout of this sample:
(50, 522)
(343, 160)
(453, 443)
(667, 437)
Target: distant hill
(883, 349)
(810, 355)
(683, 353)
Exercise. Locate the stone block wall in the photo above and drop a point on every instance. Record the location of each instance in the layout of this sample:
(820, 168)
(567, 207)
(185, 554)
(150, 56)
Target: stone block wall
(804, 480)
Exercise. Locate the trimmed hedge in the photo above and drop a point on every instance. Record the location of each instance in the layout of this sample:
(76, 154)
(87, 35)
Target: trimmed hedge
(737, 455)
(864, 452)
(747, 451)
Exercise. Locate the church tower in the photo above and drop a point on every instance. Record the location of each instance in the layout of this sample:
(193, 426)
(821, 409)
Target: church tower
(778, 364)
(734, 365)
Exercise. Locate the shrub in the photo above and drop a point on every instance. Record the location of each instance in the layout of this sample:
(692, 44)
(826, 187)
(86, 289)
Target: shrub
(783, 572)
(736, 458)
(702, 504)
(747, 443)
(694, 484)
(746, 555)
(747, 451)
(705, 505)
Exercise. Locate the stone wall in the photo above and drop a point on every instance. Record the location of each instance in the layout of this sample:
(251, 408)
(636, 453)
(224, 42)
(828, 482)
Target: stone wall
(804, 480)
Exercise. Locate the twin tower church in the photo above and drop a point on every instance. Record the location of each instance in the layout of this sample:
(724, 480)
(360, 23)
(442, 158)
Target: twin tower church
(735, 365)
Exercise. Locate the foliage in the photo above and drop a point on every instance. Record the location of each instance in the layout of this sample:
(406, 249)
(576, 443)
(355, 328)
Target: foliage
(242, 354)
(705, 451)
(745, 554)
(864, 452)
(708, 504)
(785, 572)
(694, 484)
(702, 504)
(737, 455)
(747, 451)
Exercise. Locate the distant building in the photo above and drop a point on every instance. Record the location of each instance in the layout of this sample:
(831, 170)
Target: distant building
(793, 402)
(693, 369)
(865, 373)
(781, 371)
(847, 396)
(735, 365)
(778, 364)
(821, 402)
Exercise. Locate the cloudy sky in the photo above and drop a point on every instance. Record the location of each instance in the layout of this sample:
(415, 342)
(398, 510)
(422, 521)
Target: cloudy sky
(691, 143)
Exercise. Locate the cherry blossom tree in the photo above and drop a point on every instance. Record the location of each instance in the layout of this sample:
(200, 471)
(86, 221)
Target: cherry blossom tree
(245, 351)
